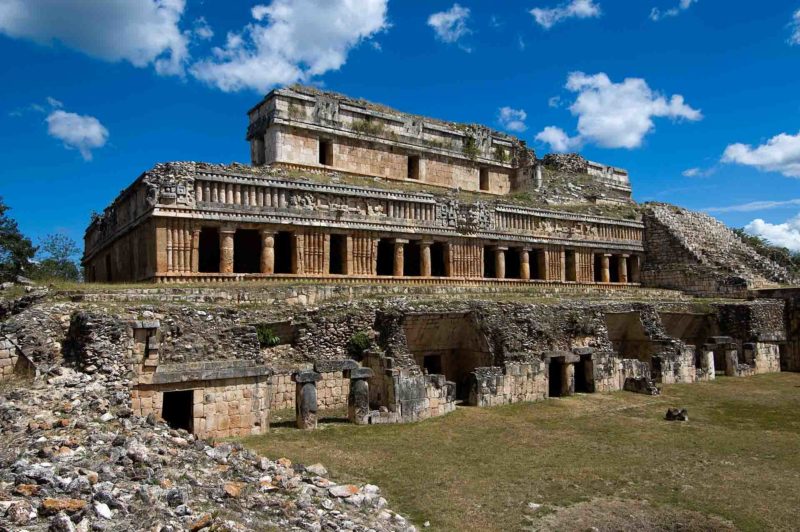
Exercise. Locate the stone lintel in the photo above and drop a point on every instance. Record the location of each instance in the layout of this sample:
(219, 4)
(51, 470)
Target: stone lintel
(302, 377)
(720, 340)
(328, 366)
(401, 240)
(583, 350)
(562, 356)
(168, 377)
(360, 373)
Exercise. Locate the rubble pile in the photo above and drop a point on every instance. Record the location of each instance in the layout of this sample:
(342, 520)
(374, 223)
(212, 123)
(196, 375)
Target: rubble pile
(73, 457)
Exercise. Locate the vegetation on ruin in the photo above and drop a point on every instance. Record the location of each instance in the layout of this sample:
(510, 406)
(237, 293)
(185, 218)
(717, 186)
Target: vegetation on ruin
(470, 147)
(266, 336)
(368, 127)
(357, 345)
(589, 460)
(500, 154)
(783, 256)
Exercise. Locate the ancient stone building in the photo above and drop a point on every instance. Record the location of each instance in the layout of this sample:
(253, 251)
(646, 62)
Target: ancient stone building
(322, 199)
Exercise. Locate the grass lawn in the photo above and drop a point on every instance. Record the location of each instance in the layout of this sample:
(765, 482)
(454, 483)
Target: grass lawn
(605, 460)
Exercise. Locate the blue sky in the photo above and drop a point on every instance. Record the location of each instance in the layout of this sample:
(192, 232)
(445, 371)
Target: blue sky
(697, 99)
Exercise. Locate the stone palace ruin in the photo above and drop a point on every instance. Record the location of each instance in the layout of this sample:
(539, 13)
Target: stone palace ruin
(391, 267)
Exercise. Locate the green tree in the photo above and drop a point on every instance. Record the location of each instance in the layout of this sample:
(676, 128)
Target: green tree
(57, 256)
(16, 250)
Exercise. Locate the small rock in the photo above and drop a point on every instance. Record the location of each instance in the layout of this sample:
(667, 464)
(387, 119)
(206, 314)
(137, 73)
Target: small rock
(204, 521)
(108, 416)
(233, 489)
(102, 510)
(62, 523)
(317, 469)
(52, 506)
(677, 414)
(343, 490)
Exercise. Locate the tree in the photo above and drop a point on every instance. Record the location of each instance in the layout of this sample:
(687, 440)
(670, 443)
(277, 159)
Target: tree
(58, 258)
(16, 250)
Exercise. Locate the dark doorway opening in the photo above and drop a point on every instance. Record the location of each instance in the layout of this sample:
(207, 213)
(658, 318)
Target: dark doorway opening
(385, 257)
(433, 364)
(584, 375)
(613, 266)
(536, 260)
(489, 271)
(325, 152)
(177, 409)
(283, 252)
(246, 251)
(555, 375)
(109, 276)
(513, 270)
(437, 260)
(571, 266)
(484, 179)
(411, 259)
(337, 254)
(209, 250)
(598, 268)
(413, 167)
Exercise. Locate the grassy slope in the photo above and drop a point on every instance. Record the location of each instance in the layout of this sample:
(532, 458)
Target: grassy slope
(478, 468)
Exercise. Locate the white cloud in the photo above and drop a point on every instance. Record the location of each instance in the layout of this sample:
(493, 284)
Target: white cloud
(549, 17)
(81, 132)
(698, 172)
(618, 115)
(795, 25)
(656, 14)
(558, 140)
(755, 206)
(295, 41)
(785, 235)
(143, 32)
(781, 154)
(512, 119)
(450, 25)
(202, 30)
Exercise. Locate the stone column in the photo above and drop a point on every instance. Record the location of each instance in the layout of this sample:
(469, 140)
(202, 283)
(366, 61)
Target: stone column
(306, 398)
(226, 250)
(448, 259)
(195, 250)
(567, 379)
(500, 262)
(605, 268)
(425, 258)
(267, 251)
(358, 399)
(707, 361)
(622, 268)
(731, 360)
(398, 256)
(633, 275)
(524, 264)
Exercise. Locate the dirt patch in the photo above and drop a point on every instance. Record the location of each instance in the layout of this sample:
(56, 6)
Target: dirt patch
(625, 515)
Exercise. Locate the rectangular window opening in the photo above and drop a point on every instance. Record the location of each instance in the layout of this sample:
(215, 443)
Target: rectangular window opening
(325, 153)
(413, 167)
(484, 179)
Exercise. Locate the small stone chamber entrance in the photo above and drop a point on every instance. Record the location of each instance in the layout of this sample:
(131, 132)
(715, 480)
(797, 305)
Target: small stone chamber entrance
(177, 409)
(448, 344)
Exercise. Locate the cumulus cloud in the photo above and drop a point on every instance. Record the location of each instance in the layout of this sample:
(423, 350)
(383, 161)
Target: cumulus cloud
(785, 235)
(291, 40)
(202, 30)
(656, 14)
(781, 154)
(512, 119)
(617, 115)
(450, 25)
(142, 32)
(80, 132)
(558, 140)
(795, 25)
(549, 17)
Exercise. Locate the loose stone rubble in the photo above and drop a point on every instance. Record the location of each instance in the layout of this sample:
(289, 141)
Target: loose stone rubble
(73, 458)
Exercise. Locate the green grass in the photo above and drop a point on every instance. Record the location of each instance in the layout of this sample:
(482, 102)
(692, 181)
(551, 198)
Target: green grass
(737, 458)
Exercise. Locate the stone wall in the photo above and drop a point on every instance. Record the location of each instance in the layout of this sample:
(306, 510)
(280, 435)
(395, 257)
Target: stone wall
(220, 409)
(512, 383)
(332, 391)
(9, 354)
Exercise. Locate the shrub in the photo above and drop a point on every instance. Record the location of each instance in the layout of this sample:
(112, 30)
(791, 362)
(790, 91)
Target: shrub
(358, 343)
(470, 147)
(266, 336)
